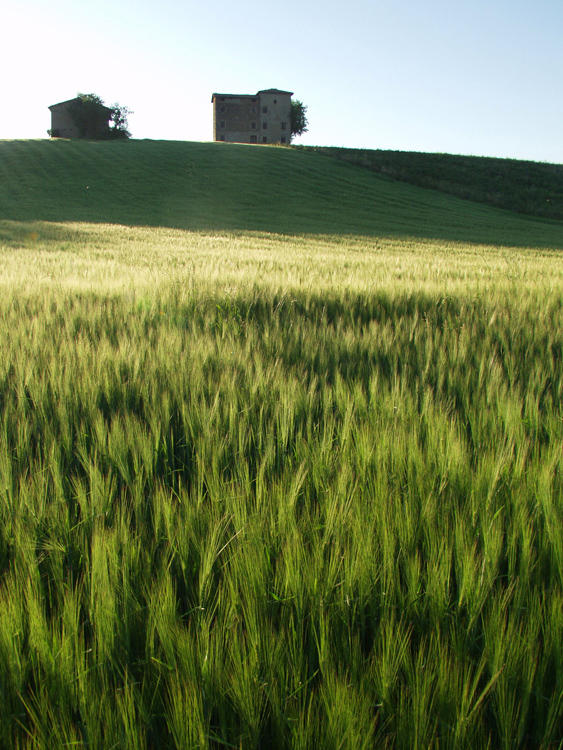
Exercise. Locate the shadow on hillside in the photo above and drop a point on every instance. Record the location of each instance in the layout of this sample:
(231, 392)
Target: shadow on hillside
(214, 188)
(15, 232)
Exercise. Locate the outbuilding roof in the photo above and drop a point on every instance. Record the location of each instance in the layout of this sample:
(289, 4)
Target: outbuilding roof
(71, 101)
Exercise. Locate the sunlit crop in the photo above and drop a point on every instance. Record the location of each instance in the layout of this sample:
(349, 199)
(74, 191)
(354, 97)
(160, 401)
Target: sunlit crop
(265, 490)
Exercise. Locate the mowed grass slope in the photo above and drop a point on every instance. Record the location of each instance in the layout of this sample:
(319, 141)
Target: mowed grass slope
(211, 186)
(274, 474)
(525, 187)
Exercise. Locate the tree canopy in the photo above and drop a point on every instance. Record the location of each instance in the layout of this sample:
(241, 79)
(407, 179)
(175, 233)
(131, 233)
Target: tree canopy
(299, 121)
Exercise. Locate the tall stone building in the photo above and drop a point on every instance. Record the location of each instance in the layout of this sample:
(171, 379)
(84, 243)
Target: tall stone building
(264, 117)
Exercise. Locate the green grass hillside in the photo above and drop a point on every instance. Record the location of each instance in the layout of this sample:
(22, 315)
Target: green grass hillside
(280, 456)
(525, 187)
(203, 186)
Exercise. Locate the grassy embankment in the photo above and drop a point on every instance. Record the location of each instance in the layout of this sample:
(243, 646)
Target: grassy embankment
(525, 187)
(280, 456)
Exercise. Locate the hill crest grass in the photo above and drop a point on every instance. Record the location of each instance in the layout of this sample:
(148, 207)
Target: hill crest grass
(229, 187)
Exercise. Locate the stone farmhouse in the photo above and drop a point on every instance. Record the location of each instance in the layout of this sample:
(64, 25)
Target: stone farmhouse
(264, 117)
(62, 124)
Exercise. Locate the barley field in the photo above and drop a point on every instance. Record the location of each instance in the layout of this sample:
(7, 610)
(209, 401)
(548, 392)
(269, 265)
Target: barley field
(282, 488)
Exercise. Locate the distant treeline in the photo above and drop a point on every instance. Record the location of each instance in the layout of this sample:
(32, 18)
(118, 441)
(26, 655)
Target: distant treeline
(526, 187)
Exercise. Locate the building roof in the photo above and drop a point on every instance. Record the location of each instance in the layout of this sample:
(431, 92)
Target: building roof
(250, 96)
(234, 96)
(70, 101)
(275, 91)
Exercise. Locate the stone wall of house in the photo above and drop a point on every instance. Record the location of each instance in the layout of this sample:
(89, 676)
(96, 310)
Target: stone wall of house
(260, 118)
(62, 125)
(235, 118)
(275, 116)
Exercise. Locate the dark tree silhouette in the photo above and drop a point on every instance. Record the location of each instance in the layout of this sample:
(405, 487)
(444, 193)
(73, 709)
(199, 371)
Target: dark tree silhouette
(299, 122)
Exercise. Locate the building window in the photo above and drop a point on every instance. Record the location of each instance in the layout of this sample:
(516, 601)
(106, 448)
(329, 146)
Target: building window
(253, 125)
(275, 101)
(282, 140)
(253, 110)
(264, 126)
(283, 125)
(222, 99)
(253, 139)
(222, 123)
(223, 108)
(264, 110)
(222, 137)
(265, 139)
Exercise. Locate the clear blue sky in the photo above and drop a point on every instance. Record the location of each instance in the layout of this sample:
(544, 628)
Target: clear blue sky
(481, 77)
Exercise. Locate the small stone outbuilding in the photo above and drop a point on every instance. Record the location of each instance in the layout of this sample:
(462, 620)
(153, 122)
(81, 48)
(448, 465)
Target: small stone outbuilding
(264, 117)
(62, 123)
